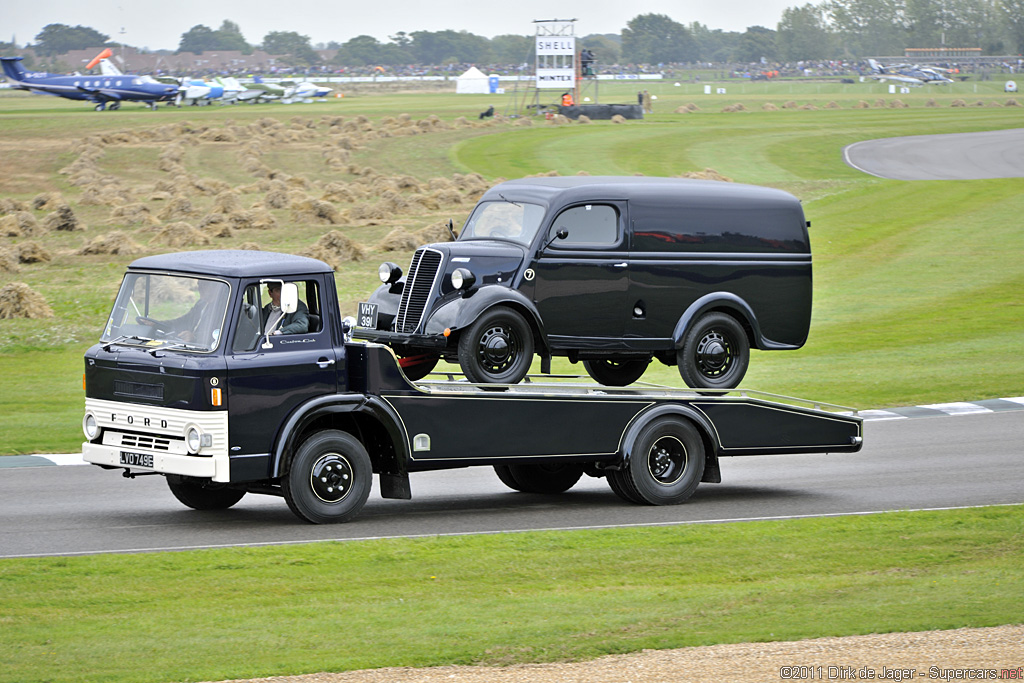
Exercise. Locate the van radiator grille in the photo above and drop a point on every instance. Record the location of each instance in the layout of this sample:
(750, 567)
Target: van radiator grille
(422, 271)
(141, 441)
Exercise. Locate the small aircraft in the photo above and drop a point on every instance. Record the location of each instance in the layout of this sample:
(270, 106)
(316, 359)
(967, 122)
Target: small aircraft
(104, 90)
(911, 74)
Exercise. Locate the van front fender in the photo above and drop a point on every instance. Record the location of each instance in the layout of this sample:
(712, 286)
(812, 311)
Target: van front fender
(461, 312)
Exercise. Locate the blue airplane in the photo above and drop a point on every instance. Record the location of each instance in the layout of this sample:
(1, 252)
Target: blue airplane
(103, 90)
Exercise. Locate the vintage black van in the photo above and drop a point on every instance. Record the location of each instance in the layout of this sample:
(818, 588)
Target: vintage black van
(610, 271)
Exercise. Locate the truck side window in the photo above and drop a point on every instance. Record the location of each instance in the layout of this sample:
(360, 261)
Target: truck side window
(589, 225)
(247, 328)
(251, 323)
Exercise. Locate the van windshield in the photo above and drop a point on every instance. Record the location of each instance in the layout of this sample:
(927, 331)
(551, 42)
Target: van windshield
(503, 220)
(157, 310)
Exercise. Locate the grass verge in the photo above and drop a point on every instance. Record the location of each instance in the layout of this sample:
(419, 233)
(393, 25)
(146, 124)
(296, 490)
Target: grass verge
(503, 599)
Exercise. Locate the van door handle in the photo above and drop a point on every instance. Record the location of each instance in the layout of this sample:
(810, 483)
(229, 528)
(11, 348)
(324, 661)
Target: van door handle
(325, 363)
(619, 265)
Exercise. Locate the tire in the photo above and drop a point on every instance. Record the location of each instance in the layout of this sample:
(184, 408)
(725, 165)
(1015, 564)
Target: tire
(202, 496)
(665, 464)
(418, 367)
(715, 353)
(557, 478)
(504, 473)
(618, 481)
(616, 373)
(329, 478)
(497, 348)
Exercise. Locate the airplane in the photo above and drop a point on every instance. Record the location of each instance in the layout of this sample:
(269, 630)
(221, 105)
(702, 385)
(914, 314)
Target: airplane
(305, 92)
(104, 90)
(907, 73)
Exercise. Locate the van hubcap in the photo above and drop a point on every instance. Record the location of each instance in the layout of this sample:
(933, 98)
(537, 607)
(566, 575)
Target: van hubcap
(497, 349)
(713, 354)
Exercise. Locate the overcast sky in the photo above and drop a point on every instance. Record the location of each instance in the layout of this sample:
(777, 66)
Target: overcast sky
(159, 25)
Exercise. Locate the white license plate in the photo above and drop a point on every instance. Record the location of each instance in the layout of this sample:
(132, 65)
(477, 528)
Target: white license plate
(136, 459)
(367, 316)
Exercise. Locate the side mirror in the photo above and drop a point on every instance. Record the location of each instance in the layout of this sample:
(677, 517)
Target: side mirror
(560, 235)
(289, 297)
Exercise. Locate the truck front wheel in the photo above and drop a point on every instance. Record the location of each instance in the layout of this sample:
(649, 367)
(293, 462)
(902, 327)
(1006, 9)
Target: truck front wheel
(201, 496)
(497, 348)
(665, 464)
(329, 478)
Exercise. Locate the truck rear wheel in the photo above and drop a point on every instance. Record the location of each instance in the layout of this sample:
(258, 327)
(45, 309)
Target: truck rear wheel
(715, 353)
(329, 479)
(616, 373)
(665, 465)
(497, 348)
(556, 478)
(202, 496)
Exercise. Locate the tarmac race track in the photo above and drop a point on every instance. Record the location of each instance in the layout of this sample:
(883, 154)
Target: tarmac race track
(907, 463)
(957, 156)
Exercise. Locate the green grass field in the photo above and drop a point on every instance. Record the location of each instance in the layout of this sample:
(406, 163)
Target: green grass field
(917, 300)
(503, 599)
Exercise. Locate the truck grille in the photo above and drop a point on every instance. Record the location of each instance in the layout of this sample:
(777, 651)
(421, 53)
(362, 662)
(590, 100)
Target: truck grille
(426, 263)
(148, 442)
(139, 390)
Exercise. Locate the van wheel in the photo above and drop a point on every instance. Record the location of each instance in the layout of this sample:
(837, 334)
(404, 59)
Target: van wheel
(329, 478)
(665, 465)
(497, 348)
(200, 496)
(715, 353)
(557, 478)
(616, 373)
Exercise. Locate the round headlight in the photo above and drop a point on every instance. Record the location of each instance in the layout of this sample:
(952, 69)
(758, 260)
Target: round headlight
(193, 439)
(389, 273)
(90, 426)
(462, 278)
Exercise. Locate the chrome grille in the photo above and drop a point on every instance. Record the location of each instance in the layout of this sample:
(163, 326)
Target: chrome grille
(142, 441)
(419, 286)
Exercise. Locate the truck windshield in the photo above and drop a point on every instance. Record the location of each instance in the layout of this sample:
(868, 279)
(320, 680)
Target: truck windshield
(503, 220)
(157, 310)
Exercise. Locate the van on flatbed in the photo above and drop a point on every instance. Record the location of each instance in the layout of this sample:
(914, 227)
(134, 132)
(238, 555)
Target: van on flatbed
(233, 372)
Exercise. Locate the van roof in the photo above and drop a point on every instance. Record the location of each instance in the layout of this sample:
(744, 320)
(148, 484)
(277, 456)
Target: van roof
(565, 189)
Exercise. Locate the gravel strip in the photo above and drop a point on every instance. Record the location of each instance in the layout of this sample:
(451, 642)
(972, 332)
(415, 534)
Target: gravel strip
(962, 654)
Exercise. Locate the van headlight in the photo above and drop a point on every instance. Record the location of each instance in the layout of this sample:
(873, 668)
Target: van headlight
(389, 272)
(462, 278)
(90, 426)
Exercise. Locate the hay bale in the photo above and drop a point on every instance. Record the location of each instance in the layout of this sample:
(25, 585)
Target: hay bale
(448, 197)
(398, 239)
(1012, 103)
(8, 260)
(527, 122)
(253, 219)
(250, 246)
(216, 225)
(180, 234)
(177, 209)
(18, 300)
(862, 105)
(318, 211)
(32, 252)
(113, 243)
(226, 202)
(833, 105)
(898, 104)
(8, 205)
(809, 107)
(583, 118)
(47, 201)
(433, 234)
(618, 118)
(19, 224)
(931, 102)
(958, 103)
(63, 219)
(341, 247)
(880, 103)
(132, 214)
(706, 174)
(768, 106)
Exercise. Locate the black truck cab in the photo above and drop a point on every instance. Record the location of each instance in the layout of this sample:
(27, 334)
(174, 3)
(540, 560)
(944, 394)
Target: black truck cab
(611, 271)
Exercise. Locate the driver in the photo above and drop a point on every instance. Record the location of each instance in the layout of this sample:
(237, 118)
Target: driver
(291, 323)
(189, 327)
(502, 221)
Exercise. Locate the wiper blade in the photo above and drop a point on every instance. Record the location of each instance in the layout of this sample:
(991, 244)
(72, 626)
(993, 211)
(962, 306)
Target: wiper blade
(179, 345)
(505, 199)
(124, 338)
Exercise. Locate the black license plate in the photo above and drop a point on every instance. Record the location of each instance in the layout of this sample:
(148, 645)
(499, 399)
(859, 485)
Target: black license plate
(136, 459)
(367, 316)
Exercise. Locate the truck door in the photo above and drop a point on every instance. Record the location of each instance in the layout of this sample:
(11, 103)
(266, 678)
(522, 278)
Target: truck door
(266, 384)
(580, 281)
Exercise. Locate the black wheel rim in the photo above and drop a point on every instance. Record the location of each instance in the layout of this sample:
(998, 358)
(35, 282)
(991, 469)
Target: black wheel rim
(666, 460)
(715, 354)
(331, 477)
(498, 349)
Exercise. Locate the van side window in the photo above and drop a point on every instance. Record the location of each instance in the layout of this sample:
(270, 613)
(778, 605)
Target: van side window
(589, 225)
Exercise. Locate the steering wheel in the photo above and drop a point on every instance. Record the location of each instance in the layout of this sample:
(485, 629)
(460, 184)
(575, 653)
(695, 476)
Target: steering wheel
(155, 324)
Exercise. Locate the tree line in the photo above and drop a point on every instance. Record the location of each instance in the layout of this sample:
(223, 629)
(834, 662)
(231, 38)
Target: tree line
(832, 29)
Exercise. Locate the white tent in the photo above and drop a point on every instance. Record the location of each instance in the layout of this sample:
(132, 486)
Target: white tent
(474, 81)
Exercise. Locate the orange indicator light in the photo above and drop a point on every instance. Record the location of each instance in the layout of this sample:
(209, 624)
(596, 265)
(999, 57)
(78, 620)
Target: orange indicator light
(215, 397)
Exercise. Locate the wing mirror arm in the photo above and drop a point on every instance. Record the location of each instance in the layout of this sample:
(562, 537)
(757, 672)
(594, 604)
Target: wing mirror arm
(289, 304)
(560, 235)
